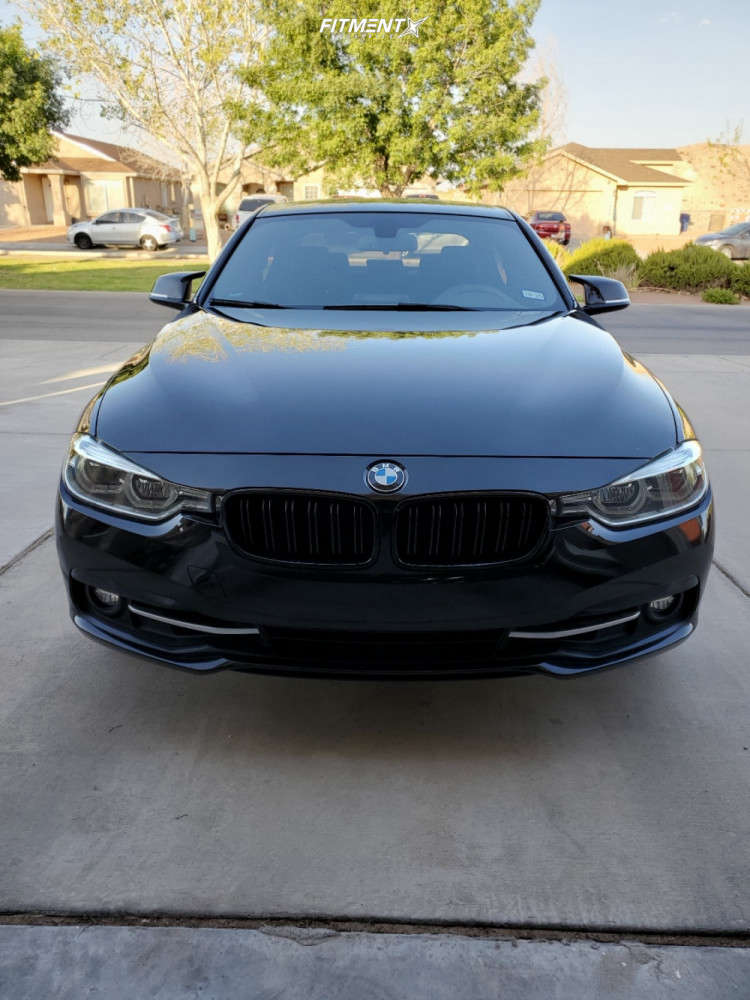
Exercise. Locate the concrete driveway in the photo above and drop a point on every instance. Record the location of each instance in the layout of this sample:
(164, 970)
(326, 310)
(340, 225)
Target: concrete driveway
(615, 803)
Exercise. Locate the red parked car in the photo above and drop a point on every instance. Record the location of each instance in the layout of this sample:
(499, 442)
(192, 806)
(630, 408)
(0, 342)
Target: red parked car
(551, 226)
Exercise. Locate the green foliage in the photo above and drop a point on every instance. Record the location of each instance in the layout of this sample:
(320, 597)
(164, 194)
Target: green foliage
(600, 256)
(721, 296)
(740, 280)
(383, 110)
(690, 269)
(558, 251)
(30, 105)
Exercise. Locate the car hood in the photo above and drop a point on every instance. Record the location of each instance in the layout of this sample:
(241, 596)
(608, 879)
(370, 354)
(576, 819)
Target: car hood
(557, 387)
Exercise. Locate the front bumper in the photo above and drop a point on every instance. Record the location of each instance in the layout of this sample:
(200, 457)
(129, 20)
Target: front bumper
(383, 620)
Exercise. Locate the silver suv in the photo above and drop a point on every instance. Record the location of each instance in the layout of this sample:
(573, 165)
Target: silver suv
(138, 227)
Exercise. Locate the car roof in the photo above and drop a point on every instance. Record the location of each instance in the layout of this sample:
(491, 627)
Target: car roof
(386, 205)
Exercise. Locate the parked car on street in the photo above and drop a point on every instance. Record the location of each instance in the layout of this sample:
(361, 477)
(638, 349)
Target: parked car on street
(733, 242)
(551, 226)
(250, 204)
(137, 227)
(384, 439)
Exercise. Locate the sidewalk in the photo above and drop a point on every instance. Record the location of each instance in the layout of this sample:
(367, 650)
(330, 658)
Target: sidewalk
(300, 963)
(49, 241)
(63, 251)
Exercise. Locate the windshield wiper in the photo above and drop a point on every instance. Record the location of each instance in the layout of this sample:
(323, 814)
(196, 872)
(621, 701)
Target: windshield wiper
(406, 307)
(246, 304)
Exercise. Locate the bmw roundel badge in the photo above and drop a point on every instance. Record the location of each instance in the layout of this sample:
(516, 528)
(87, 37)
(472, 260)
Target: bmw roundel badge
(385, 477)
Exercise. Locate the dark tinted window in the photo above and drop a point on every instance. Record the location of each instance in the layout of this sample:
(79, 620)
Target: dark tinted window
(385, 258)
(131, 217)
(550, 217)
(109, 217)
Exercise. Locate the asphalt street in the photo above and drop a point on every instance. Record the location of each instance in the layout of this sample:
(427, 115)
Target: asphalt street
(615, 802)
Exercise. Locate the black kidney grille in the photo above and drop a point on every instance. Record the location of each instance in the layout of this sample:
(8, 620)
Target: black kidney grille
(301, 527)
(469, 529)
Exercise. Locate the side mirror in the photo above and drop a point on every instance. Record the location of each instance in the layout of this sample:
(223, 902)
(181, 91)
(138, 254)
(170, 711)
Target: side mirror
(602, 294)
(173, 290)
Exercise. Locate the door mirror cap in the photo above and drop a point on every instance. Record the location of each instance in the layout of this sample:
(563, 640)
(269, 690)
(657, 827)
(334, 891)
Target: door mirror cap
(602, 294)
(174, 290)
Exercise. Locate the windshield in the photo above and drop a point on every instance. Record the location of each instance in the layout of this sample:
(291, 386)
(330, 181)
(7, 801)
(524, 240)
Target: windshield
(549, 216)
(381, 259)
(154, 214)
(736, 229)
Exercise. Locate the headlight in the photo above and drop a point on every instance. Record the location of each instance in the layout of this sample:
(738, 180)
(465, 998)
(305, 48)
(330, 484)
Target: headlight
(100, 476)
(669, 484)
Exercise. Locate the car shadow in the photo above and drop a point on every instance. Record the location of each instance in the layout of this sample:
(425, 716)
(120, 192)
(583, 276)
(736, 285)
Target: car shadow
(254, 715)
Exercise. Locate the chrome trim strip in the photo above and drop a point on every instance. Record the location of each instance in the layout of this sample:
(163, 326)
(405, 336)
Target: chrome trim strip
(181, 623)
(561, 633)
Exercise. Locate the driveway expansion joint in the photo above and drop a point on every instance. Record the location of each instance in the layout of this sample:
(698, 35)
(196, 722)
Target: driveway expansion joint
(732, 579)
(316, 930)
(20, 556)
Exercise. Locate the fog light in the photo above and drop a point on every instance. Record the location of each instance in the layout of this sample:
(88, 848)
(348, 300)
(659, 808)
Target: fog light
(105, 600)
(663, 605)
(665, 608)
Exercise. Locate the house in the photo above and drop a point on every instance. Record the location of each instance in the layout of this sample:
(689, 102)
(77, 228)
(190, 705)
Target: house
(719, 194)
(631, 192)
(84, 178)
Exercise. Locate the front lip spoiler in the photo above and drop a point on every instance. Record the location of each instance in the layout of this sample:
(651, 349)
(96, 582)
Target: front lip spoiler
(562, 669)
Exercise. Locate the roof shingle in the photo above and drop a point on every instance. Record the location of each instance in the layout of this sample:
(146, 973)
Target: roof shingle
(624, 164)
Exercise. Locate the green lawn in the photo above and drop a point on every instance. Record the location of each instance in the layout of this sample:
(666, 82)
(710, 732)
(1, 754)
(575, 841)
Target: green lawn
(108, 275)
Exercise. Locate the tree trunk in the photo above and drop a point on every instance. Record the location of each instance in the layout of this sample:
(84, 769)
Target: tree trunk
(210, 204)
(186, 197)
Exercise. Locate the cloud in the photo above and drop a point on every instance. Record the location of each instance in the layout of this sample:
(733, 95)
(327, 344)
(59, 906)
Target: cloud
(704, 21)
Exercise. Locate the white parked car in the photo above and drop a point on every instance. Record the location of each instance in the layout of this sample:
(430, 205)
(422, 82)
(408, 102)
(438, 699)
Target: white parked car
(138, 227)
(248, 205)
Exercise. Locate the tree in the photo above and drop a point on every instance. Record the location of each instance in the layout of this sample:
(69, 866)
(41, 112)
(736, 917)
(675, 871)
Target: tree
(386, 108)
(172, 68)
(30, 105)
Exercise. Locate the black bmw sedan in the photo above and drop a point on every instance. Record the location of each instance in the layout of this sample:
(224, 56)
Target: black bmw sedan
(384, 439)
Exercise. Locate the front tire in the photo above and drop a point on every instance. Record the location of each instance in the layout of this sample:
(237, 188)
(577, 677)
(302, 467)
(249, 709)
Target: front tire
(83, 241)
(149, 243)
(727, 250)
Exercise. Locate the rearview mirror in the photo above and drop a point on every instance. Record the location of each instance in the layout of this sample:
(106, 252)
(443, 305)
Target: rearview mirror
(174, 290)
(602, 294)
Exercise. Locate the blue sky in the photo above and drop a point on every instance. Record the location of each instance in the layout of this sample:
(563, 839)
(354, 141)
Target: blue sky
(650, 74)
(635, 73)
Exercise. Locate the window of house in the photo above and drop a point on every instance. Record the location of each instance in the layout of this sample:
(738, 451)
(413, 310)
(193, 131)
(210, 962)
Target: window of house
(311, 192)
(643, 203)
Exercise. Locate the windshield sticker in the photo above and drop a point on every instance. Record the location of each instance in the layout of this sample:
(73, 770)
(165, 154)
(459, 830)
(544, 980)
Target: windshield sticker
(528, 294)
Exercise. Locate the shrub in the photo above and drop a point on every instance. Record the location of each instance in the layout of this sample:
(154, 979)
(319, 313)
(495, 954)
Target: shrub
(740, 280)
(690, 269)
(721, 296)
(558, 251)
(600, 256)
(627, 274)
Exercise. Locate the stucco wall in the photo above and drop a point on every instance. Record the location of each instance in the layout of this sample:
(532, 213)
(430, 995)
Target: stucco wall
(720, 193)
(12, 209)
(560, 184)
(659, 210)
(164, 196)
